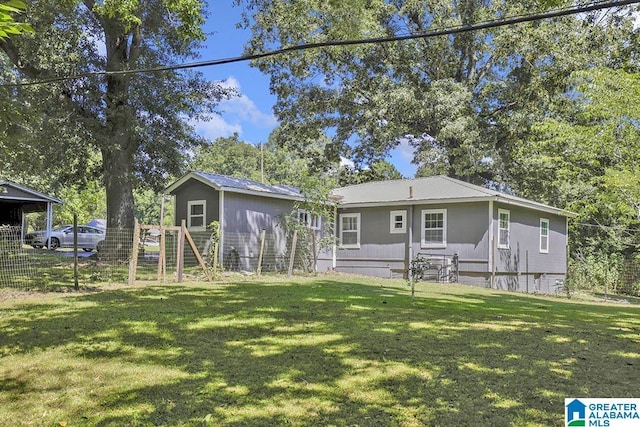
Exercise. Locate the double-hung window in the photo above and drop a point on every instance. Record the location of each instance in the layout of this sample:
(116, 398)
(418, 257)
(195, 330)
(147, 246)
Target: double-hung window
(196, 214)
(544, 236)
(350, 230)
(504, 225)
(398, 222)
(434, 228)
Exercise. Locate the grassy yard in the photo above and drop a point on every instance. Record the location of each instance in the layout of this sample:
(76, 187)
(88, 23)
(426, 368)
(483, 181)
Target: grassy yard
(330, 350)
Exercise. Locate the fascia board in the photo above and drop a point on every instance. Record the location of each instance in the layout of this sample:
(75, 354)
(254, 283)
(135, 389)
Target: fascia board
(501, 199)
(40, 196)
(261, 193)
(186, 178)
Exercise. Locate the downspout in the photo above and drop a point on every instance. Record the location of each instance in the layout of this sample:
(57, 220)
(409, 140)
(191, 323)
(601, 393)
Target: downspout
(334, 248)
(221, 221)
(491, 245)
(410, 240)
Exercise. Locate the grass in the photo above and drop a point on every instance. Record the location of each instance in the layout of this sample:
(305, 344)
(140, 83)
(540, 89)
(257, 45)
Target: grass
(330, 350)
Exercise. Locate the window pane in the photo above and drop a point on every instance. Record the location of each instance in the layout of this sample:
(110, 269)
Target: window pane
(197, 221)
(433, 236)
(544, 243)
(197, 209)
(504, 237)
(349, 224)
(350, 238)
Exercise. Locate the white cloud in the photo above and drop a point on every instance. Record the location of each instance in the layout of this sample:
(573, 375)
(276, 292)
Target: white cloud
(242, 108)
(404, 151)
(237, 115)
(346, 162)
(216, 127)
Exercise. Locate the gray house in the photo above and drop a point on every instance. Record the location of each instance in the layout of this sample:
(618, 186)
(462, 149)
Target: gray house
(466, 233)
(243, 208)
(485, 237)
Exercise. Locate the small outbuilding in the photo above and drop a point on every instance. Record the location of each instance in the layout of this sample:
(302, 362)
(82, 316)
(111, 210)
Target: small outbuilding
(17, 200)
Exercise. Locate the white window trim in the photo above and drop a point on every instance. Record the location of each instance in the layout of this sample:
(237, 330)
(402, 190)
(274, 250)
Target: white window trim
(313, 221)
(204, 215)
(359, 226)
(441, 245)
(508, 213)
(544, 250)
(392, 222)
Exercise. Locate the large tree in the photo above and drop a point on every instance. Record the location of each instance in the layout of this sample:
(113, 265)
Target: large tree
(585, 156)
(136, 123)
(462, 100)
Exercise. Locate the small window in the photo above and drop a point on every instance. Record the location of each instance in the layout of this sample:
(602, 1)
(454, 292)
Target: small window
(196, 210)
(504, 224)
(350, 230)
(544, 236)
(398, 222)
(310, 220)
(434, 228)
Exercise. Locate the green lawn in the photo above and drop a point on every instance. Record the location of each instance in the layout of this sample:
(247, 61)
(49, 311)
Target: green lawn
(330, 350)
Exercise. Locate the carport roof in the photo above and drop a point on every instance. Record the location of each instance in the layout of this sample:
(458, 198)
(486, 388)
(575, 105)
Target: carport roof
(12, 192)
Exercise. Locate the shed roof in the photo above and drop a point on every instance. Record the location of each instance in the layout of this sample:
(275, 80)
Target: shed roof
(238, 185)
(429, 190)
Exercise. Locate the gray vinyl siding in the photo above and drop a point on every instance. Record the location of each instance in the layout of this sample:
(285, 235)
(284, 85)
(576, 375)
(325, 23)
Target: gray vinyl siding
(195, 190)
(383, 253)
(523, 255)
(245, 213)
(245, 216)
(521, 267)
(467, 233)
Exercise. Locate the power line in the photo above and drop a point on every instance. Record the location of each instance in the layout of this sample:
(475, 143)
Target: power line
(422, 35)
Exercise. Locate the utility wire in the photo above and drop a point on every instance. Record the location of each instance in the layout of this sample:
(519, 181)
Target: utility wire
(421, 35)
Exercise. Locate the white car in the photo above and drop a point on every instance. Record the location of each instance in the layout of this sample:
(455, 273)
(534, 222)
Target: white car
(89, 238)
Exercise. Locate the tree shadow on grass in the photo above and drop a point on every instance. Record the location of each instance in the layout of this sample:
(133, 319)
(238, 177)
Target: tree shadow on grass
(326, 352)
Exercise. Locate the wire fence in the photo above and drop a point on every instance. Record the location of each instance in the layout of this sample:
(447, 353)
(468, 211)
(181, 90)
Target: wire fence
(28, 264)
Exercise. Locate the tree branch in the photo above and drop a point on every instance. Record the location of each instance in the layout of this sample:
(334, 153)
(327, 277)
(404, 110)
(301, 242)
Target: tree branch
(24, 66)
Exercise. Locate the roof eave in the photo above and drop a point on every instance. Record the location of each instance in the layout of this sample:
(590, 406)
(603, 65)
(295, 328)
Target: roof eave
(40, 196)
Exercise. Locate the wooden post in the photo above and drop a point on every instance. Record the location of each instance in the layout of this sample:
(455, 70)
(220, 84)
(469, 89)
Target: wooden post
(133, 262)
(262, 237)
(75, 252)
(180, 254)
(315, 251)
(294, 240)
(197, 254)
(215, 259)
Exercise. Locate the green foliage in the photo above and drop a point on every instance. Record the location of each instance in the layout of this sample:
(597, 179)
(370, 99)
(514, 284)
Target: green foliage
(599, 273)
(129, 130)
(585, 157)
(8, 26)
(464, 101)
(233, 157)
(316, 209)
(379, 171)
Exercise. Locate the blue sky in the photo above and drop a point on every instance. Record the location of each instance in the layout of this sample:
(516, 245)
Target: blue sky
(250, 114)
